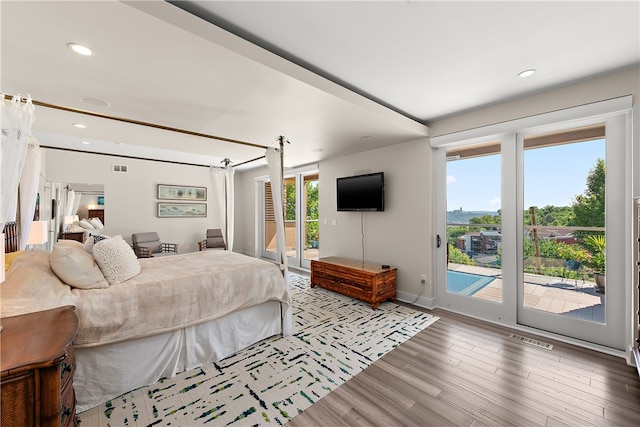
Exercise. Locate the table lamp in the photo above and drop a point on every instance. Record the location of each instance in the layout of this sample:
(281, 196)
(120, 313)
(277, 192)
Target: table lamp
(38, 233)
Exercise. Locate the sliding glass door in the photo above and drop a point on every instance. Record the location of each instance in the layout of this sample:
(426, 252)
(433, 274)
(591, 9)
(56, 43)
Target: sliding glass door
(572, 182)
(535, 227)
(471, 191)
(301, 218)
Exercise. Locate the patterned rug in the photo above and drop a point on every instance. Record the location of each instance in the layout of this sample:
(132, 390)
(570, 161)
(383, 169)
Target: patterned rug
(274, 380)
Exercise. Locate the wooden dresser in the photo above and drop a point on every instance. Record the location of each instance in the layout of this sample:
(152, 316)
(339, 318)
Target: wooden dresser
(367, 282)
(37, 369)
(96, 213)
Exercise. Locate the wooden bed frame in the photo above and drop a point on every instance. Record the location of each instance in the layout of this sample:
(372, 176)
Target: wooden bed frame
(10, 231)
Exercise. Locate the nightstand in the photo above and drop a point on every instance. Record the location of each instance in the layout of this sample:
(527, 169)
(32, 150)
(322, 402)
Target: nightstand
(37, 362)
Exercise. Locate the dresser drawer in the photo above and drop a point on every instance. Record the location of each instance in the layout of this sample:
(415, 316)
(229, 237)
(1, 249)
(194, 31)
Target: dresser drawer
(68, 367)
(68, 406)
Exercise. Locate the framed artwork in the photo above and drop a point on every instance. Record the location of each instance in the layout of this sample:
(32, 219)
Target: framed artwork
(182, 210)
(100, 200)
(182, 192)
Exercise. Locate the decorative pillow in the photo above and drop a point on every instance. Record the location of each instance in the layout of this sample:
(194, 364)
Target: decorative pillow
(91, 240)
(116, 259)
(86, 224)
(96, 223)
(74, 266)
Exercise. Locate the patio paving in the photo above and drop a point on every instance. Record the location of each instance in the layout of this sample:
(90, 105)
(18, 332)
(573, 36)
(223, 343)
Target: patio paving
(567, 297)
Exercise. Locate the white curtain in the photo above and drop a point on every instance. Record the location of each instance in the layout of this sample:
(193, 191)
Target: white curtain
(29, 181)
(76, 204)
(70, 203)
(218, 198)
(16, 120)
(229, 174)
(275, 175)
(222, 186)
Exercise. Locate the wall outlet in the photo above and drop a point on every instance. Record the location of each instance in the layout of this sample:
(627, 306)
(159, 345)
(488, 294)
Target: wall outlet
(423, 279)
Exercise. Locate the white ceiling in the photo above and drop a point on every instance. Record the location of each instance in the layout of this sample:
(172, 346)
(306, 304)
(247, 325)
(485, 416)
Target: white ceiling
(157, 63)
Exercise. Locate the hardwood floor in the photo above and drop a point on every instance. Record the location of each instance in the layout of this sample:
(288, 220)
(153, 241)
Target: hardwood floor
(465, 372)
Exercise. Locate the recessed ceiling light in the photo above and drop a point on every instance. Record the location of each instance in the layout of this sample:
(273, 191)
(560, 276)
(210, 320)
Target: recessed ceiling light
(96, 102)
(317, 150)
(86, 142)
(365, 138)
(78, 48)
(79, 125)
(527, 73)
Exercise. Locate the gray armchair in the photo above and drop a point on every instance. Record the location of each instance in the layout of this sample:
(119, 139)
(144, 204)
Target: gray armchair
(147, 245)
(214, 240)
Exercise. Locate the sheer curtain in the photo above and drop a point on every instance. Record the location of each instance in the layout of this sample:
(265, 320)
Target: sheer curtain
(218, 198)
(71, 203)
(229, 174)
(17, 118)
(274, 163)
(222, 182)
(29, 189)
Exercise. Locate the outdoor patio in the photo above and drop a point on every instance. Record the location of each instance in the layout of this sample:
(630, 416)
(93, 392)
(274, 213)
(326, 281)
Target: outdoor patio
(552, 294)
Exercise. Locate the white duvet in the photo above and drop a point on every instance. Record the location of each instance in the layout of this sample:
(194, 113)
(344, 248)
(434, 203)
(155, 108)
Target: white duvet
(169, 293)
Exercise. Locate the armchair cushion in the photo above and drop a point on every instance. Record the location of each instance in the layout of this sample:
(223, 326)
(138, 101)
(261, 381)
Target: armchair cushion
(214, 240)
(148, 244)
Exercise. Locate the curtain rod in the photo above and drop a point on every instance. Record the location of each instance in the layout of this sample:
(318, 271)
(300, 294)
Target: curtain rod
(138, 122)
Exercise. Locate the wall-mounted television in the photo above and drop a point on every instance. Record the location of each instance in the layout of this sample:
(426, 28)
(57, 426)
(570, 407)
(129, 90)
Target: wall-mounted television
(361, 193)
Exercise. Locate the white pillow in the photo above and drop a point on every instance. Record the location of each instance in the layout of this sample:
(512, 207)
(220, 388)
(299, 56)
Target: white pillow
(91, 240)
(74, 266)
(86, 224)
(116, 259)
(96, 223)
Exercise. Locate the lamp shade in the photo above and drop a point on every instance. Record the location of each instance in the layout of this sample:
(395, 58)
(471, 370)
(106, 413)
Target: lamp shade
(68, 219)
(38, 233)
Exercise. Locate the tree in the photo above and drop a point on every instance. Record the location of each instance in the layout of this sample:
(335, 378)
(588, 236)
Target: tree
(456, 256)
(588, 208)
(290, 202)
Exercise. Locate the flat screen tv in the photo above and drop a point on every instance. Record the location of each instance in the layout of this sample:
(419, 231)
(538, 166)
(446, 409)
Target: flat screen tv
(361, 193)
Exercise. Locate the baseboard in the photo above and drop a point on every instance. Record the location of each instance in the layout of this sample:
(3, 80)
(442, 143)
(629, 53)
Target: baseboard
(420, 301)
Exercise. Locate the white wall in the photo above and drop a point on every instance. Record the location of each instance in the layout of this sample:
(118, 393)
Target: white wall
(130, 198)
(401, 235)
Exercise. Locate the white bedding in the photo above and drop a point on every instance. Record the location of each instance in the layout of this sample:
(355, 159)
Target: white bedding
(169, 293)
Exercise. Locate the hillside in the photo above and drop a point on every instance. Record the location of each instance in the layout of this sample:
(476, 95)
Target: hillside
(462, 217)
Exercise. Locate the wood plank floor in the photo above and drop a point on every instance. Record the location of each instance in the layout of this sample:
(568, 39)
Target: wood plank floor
(465, 372)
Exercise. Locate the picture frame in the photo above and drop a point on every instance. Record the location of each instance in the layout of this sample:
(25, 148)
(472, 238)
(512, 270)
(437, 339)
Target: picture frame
(182, 192)
(182, 210)
(100, 200)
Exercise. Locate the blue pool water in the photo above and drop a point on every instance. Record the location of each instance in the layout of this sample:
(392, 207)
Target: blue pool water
(466, 283)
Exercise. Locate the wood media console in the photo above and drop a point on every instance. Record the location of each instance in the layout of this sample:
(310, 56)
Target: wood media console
(367, 282)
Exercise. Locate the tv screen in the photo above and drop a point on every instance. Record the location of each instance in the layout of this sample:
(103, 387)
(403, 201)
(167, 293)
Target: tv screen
(361, 193)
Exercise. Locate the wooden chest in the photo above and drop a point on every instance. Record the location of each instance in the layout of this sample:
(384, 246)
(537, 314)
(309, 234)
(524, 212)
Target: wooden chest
(367, 282)
(37, 369)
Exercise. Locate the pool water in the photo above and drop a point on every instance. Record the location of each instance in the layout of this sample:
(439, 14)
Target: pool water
(466, 283)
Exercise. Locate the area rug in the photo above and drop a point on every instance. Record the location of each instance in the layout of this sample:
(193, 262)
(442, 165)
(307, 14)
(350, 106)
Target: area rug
(269, 383)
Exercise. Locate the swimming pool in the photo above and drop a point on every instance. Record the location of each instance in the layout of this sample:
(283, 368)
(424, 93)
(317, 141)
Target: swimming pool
(466, 283)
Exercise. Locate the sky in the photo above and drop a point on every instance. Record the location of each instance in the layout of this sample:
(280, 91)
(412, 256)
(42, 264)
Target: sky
(552, 176)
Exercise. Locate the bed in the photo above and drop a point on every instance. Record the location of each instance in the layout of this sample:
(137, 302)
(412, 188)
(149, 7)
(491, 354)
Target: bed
(177, 313)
